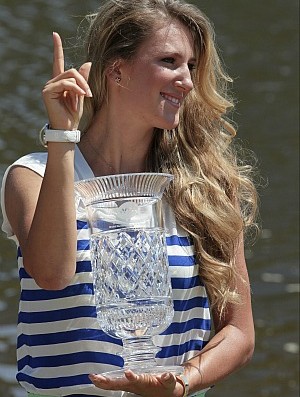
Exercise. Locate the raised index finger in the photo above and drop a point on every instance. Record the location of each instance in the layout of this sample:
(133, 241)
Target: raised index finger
(58, 55)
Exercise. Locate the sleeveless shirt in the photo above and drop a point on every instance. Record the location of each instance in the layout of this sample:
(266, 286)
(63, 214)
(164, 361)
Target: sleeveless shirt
(59, 340)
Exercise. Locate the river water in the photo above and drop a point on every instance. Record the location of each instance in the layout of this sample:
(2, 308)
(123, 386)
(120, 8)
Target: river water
(259, 42)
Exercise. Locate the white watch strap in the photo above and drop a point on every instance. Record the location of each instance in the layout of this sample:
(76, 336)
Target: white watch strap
(185, 383)
(48, 135)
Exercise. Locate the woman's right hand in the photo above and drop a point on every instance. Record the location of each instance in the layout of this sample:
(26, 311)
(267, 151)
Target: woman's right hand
(64, 94)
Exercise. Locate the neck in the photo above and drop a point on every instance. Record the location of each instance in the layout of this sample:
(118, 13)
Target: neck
(113, 151)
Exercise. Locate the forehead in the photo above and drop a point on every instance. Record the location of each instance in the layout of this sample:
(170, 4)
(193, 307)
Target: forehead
(170, 37)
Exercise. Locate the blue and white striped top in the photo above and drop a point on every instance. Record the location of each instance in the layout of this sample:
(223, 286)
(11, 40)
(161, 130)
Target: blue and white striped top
(60, 340)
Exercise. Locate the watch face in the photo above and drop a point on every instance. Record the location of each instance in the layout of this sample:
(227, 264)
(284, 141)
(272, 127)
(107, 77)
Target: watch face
(42, 135)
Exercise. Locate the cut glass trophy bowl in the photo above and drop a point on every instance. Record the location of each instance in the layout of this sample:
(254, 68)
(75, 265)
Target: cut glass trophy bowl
(132, 285)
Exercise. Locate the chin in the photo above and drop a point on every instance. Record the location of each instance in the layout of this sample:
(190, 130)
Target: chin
(168, 124)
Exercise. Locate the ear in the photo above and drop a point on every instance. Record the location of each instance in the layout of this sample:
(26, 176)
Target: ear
(113, 72)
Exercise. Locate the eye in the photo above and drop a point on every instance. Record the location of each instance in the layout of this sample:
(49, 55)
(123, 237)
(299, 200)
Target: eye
(169, 60)
(192, 66)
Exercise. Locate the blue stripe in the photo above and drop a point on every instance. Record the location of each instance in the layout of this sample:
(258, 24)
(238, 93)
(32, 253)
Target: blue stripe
(186, 283)
(176, 260)
(57, 315)
(65, 337)
(194, 323)
(83, 245)
(178, 350)
(23, 273)
(180, 241)
(82, 225)
(19, 253)
(50, 383)
(72, 290)
(197, 301)
(70, 359)
(83, 267)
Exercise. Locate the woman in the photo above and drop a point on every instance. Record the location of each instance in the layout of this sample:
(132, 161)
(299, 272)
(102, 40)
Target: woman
(151, 97)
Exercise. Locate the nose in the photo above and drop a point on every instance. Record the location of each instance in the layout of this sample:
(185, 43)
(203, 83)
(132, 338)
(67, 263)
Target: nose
(184, 80)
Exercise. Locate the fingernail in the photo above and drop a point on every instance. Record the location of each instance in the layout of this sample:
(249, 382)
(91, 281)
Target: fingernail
(89, 93)
(166, 376)
(98, 377)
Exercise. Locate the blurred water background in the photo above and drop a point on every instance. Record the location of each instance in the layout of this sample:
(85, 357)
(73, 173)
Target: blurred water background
(259, 42)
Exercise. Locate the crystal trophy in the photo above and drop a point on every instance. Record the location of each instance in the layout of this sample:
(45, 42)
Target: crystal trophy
(132, 285)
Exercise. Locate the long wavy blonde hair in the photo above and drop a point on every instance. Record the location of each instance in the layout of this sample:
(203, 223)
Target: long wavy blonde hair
(213, 196)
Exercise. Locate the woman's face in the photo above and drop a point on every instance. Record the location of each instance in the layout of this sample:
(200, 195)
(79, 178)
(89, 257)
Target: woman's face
(158, 79)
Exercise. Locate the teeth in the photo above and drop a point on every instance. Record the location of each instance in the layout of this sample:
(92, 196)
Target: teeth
(172, 99)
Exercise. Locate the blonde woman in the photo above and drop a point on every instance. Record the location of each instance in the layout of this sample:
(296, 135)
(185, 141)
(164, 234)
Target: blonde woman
(151, 97)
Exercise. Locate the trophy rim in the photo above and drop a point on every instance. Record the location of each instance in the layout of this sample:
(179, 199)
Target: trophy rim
(114, 186)
(111, 176)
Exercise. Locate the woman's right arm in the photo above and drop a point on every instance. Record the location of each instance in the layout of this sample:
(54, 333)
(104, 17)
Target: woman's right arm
(41, 211)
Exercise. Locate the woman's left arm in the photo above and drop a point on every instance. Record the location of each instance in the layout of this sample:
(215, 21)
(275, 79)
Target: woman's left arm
(233, 343)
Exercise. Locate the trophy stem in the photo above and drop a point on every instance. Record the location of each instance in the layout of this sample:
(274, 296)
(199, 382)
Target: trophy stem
(140, 353)
(139, 356)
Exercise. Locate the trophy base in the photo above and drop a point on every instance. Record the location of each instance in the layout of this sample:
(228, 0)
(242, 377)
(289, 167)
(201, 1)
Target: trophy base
(154, 370)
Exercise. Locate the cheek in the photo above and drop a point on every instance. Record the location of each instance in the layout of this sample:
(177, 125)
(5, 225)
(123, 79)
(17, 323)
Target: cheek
(155, 77)
(146, 84)
(163, 76)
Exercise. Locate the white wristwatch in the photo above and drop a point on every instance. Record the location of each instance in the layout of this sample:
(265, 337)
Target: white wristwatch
(47, 135)
(185, 383)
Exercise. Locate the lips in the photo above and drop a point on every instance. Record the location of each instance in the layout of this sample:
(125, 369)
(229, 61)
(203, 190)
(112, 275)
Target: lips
(172, 99)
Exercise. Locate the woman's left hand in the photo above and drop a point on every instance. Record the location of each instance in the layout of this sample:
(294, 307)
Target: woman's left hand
(144, 385)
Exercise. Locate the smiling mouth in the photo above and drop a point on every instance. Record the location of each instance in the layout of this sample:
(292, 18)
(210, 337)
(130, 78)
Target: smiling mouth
(174, 101)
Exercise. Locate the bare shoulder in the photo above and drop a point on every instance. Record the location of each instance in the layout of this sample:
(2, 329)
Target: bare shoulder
(21, 195)
(21, 181)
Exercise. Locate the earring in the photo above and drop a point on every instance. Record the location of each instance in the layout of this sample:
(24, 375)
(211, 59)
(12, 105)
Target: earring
(118, 80)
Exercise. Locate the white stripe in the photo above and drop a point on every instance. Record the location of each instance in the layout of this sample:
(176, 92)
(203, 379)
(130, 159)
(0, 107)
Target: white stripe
(177, 360)
(57, 304)
(189, 293)
(197, 312)
(83, 234)
(83, 255)
(180, 339)
(60, 326)
(79, 278)
(69, 370)
(184, 271)
(180, 251)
